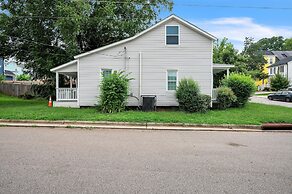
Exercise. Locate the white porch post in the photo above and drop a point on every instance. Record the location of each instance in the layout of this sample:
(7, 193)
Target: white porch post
(227, 72)
(57, 85)
(70, 82)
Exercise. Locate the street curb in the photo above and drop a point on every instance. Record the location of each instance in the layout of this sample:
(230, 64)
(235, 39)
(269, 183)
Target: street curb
(128, 125)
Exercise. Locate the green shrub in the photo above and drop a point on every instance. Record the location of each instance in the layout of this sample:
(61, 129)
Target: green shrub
(279, 82)
(189, 97)
(243, 86)
(2, 78)
(23, 77)
(225, 97)
(204, 103)
(114, 92)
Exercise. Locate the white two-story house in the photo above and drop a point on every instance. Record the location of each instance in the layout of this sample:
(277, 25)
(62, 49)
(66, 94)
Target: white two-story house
(156, 59)
(281, 63)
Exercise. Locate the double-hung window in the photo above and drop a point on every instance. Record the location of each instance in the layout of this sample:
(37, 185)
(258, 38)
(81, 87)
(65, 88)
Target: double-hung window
(172, 35)
(106, 72)
(171, 79)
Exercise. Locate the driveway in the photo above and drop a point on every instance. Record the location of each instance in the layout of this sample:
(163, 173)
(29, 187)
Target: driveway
(44, 160)
(265, 100)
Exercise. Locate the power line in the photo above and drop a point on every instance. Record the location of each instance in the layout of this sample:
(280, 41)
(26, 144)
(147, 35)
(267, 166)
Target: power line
(236, 7)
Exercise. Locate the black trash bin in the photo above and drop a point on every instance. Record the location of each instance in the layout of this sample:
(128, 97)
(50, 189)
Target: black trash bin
(149, 102)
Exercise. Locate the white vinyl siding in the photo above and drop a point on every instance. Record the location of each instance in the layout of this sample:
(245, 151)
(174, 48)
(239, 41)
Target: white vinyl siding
(171, 80)
(192, 58)
(172, 35)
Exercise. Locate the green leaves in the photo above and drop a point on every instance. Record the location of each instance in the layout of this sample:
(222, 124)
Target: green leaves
(189, 97)
(46, 33)
(114, 92)
(225, 97)
(242, 85)
(279, 82)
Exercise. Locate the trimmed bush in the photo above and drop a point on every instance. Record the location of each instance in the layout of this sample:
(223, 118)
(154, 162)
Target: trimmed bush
(279, 82)
(189, 97)
(243, 86)
(114, 92)
(225, 97)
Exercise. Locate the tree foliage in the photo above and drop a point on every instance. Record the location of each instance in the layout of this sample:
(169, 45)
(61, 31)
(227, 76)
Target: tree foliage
(46, 33)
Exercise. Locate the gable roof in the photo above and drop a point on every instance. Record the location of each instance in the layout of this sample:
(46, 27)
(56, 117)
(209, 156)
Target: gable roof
(188, 24)
(279, 54)
(281, 62)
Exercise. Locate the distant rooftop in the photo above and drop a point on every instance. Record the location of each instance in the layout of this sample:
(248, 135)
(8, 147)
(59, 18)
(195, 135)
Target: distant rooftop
(279, 54)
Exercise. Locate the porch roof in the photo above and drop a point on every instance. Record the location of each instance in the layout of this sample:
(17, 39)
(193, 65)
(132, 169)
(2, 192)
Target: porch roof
(67, 67)
(222, 66)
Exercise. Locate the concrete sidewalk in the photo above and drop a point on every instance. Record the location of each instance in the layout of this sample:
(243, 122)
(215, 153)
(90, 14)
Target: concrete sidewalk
(125, 125)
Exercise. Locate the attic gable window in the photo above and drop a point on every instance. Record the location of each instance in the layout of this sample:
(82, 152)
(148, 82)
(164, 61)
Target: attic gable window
(172, 35)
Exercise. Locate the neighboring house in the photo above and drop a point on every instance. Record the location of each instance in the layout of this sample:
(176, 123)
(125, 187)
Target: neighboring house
(283, 67)
(271, 57)
(9, 75)
(13, 66)
(156, 59)
(10, 68)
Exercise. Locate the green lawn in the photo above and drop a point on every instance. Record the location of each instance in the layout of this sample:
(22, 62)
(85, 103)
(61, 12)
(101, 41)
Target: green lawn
(15, 108)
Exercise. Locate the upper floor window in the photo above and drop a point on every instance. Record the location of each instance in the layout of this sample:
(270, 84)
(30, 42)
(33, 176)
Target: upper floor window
(271, 60)
(106, 72)
(172, 35)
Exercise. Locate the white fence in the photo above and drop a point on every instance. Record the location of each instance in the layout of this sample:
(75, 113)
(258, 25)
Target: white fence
(64, 94)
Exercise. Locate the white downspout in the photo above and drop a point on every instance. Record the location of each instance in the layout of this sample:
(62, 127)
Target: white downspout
(140, 74)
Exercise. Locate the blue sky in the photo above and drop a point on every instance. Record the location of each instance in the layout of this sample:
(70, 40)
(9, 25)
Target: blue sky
(236, 23)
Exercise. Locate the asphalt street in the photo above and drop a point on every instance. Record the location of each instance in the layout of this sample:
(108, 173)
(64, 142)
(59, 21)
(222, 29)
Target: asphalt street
(265, 100)
(69, 160)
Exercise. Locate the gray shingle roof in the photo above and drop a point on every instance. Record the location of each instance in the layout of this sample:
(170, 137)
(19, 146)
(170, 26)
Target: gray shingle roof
(279, 54)
(281, 62)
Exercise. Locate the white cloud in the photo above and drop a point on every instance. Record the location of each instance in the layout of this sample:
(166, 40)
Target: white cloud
(237, 28)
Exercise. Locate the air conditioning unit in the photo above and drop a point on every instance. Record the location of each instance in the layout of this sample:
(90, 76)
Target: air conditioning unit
(149, 102)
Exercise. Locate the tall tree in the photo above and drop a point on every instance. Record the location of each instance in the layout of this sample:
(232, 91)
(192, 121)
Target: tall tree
(288, 44)
(253, 54)
(47, 33)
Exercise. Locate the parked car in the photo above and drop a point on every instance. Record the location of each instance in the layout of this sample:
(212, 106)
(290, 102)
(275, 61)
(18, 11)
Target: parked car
(281, 95)
(289, 89)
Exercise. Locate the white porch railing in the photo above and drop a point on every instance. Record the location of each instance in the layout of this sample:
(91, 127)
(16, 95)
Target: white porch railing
(66, 94)
(214, 93)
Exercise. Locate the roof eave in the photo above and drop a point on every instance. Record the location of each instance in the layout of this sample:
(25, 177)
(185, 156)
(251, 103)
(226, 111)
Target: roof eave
(62, 66)
(192, 26)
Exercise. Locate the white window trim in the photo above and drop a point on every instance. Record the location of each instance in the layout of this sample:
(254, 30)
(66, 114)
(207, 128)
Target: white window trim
(167, 79)
(165, 35)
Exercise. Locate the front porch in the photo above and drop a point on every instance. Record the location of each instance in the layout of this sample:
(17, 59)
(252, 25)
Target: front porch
(219, 68)
(66, 85)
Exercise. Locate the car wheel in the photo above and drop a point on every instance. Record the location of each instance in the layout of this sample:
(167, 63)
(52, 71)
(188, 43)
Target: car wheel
(287, 100)
(270, 98)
